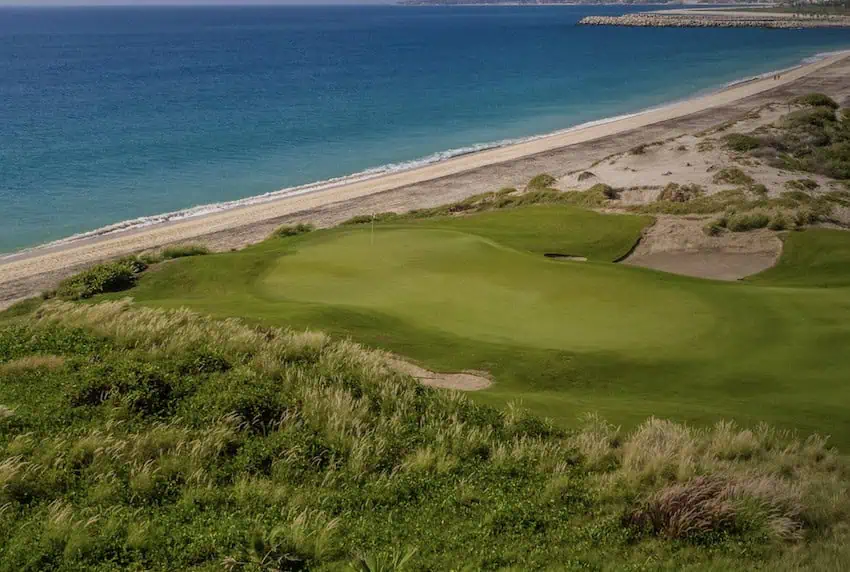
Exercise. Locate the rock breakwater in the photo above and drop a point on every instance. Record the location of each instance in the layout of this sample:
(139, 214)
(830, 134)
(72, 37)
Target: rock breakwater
(719, 20)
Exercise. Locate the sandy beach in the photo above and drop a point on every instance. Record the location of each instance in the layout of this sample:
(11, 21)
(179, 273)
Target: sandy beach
(29, 272)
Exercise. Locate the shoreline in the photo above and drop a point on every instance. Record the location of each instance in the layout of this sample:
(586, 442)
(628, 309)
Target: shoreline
(202, 210)
(248, 220)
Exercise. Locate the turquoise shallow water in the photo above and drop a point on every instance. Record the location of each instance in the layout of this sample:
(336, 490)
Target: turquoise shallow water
(111, 114)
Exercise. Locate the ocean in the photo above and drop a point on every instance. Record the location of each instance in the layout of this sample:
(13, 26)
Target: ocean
(112, 114)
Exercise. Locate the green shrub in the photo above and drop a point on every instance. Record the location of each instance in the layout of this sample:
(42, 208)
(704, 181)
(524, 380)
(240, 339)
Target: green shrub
(813, 117)
(293, 230)
(742, 222)
(815, 100)
(706, 204)
(184, 250)
(732, 176)
(715, 227)
(108, 277)
(805, 216)
(541, 181)
(778, 221)
(595, 196)
(741, 143)
(366, 219)
(607, 191)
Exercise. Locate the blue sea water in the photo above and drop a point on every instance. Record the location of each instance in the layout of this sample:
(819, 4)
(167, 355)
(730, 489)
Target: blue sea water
(109, 114)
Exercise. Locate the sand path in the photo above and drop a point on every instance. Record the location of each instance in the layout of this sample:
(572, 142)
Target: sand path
(27, 273)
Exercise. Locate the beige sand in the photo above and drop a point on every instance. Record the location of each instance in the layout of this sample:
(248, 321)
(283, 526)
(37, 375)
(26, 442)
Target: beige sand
(678, 245)
(29, 272)
(463, 381)
(690, 159)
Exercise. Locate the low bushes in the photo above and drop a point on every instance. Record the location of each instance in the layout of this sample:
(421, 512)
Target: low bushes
(184, 250)
(537, 193)
(704, 204)
(293, 230)
(742, 222)
(741, 143)
(715, 227)
(815, 100)
(732, 176)
(814, 139)
(778, 222)
(109, 277)
(541, 181)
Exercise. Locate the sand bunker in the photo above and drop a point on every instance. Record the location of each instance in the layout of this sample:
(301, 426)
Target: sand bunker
(463, 381)
(679, 245)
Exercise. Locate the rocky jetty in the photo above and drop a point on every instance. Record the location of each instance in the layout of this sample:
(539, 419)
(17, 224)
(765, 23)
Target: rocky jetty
(718, 20)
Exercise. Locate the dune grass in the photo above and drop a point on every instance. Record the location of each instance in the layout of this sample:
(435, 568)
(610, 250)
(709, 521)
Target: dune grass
(166, 440)
(475, 292)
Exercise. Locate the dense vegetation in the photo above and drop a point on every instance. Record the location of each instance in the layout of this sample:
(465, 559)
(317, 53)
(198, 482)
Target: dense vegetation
(814, 138)
(138, 439)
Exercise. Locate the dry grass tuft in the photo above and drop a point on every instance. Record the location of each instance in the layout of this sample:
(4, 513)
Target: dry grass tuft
(717, 504)
(696, 508)
(31, 363)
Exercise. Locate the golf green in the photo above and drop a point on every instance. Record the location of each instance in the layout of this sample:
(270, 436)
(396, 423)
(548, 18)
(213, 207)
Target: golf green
(563, 336)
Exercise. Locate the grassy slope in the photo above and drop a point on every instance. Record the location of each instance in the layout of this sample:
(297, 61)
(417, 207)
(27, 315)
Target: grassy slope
(132, 439)
(564, 337)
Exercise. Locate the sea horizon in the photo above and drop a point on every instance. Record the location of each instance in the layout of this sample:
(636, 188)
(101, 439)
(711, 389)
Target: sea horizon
(514, 131)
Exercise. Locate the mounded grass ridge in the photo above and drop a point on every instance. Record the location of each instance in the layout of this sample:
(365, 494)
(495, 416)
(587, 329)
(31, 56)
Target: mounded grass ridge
(156, 439)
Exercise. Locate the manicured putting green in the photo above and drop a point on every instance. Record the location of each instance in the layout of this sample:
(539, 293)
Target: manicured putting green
(473, 288)
(565, 337)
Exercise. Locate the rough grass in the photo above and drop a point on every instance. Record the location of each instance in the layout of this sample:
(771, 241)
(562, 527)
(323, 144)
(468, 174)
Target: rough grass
(749, 204)
(174, 441)
(814, 139)
(108, 277)
(742, 222)
(815, 100)
(508, 198)
(740, 142)
(288, 230)
(31, 363)
(184, 250)
(732, 176)
(541, 181)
